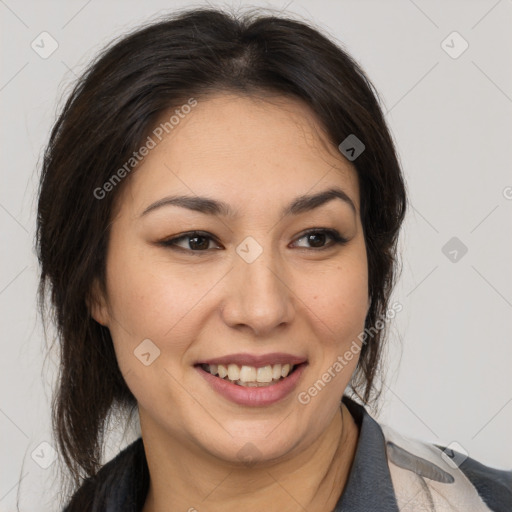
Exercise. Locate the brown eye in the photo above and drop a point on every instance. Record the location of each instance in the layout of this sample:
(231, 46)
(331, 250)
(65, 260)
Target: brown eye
(316, 238)
(193, 242)
(198, 242)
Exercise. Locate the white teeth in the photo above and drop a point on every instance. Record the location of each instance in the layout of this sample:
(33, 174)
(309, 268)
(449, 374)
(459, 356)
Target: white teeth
(250, 376)
(264, 374)
(233, 372)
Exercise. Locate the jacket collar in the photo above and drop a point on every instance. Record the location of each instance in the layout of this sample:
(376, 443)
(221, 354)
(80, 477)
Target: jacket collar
(369, 485)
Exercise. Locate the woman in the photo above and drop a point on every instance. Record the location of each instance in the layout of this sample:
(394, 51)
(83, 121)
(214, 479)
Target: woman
(217, 225)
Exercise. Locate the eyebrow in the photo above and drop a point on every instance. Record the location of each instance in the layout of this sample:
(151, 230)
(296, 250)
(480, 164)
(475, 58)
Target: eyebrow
(300, 204)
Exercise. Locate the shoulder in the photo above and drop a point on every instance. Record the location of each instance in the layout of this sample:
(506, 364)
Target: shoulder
(121, 484)
(438, 477)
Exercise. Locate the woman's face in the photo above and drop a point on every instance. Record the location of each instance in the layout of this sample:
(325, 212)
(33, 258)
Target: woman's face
(252, 289)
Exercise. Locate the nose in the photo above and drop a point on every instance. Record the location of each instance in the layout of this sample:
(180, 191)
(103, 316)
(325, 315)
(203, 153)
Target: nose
(258, 296)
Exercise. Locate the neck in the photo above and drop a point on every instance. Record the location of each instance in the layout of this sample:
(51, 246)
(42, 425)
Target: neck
(180, 479)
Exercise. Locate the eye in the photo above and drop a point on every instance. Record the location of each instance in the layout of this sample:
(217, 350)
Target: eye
(195, 241)
(199, 241)
(317, 237)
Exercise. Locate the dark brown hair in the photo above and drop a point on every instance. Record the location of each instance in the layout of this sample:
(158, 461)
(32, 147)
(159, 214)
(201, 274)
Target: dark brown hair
(105, 119)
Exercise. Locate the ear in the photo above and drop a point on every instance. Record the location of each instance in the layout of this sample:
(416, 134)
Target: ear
(97, 304)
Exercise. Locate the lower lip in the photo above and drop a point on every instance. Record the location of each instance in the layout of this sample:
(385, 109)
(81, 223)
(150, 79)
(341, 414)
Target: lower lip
(254, 396)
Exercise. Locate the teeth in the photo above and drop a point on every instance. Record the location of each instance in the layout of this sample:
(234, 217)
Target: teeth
(264, 374)
(247, 373)
(233, 372)
(250, 376)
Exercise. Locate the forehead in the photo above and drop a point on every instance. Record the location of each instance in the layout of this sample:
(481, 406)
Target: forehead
(243, 149)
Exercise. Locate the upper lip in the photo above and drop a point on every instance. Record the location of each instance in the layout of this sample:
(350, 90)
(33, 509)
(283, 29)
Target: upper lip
(255, 360)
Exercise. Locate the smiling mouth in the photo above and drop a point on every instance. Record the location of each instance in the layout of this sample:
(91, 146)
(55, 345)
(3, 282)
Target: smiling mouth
(251, 376)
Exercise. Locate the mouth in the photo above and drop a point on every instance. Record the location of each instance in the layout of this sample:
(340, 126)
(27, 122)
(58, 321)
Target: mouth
(250, 376)
(253, 380)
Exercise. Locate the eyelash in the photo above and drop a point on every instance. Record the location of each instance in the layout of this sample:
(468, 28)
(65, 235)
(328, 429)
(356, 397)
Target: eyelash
(333, 233)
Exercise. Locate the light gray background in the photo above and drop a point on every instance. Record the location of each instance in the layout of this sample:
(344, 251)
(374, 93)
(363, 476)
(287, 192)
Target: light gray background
(450, 352)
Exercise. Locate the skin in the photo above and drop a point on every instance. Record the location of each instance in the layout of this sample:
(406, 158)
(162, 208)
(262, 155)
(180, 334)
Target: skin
(257, 155)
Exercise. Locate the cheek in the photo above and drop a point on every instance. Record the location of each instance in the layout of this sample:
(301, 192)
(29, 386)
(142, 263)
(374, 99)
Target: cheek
(339, 298)
(148, 299)
(338, 311)
(339, 308)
